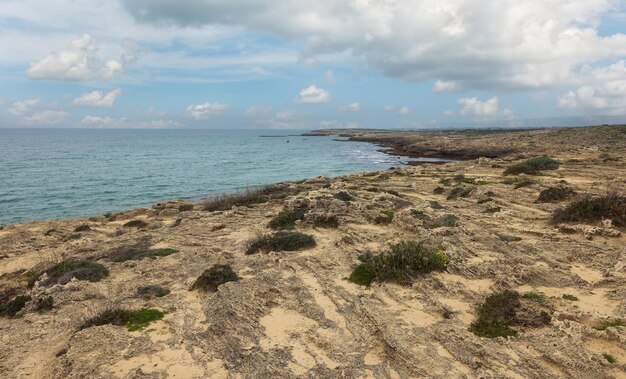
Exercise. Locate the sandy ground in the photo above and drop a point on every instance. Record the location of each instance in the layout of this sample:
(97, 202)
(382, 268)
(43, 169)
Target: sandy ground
(293, 314)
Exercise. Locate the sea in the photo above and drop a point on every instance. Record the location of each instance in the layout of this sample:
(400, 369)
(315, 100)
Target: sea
(67, 173)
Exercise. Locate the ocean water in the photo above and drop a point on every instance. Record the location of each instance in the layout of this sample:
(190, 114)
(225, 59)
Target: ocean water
(64, 173)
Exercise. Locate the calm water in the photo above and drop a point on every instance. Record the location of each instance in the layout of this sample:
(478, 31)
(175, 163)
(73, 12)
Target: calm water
(51, 174)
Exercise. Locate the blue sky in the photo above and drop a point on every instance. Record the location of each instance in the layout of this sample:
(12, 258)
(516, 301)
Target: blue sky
(303, 64)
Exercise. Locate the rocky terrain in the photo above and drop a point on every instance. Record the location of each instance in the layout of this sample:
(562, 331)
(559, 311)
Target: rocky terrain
(297, 314)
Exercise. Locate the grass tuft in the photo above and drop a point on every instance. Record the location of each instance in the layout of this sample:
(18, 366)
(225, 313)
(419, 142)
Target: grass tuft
(135, 224)
(555, 194)
(329, 222)
(532, 166)
(569, 297)
(399, 263)
(124, 254)
(132, 319)
(457, 192)
(148, 292)
(609, 358)
(596, 209)
(287, 219)
(247, 197)
(64, 271)
(385, 217)
(496, 315)
(280, 241)
(448, 220)
(185, 207)
(610, 324)
(212, 278)
(537, 297)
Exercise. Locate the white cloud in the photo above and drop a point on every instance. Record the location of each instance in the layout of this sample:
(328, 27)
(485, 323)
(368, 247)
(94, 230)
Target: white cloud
(329, 77)
(80, 61)
(478, 44)
(47, 117)
(478, 109)
(205, 111)
(312, 95)
(388, 108)
(354, 107)
(445, 86)
(124, 123)
(448, 113)
(98, 99)
(22, 107)
(404, 110)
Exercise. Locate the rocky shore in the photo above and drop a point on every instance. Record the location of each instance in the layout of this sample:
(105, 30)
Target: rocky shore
(440, 271)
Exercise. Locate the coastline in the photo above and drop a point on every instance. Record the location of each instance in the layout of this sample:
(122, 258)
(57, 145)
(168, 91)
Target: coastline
(293, 313)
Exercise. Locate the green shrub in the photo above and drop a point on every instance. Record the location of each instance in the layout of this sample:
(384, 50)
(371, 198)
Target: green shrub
(287, 219)
(329, 222)
(132, 319)
(124, 254)
(420, 215)
(448, 220)
(280, 241)
(532, 166)
(457, 192)
(12, 307)
(439, 190)
(148, 292)
(343, 196)
(537, 297)
(496, 315)
(569, 297)
(523, 183)
(609, 358)
(385, 217)
(212, 278)
(63, 272)
(610, 324)
(436, 205)
(135, 224)
(555, 194)
(399, 264)
(596, 209)
(247, 197)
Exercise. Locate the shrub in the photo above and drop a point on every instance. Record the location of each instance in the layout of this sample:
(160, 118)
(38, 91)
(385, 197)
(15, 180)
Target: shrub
(82, 228)
(532, 166)
(485, 200)
(11, 308)
(610, 324)
(596, 209)
(287, 219)
(280, 241)
(609, 358)
(523, 183)
(247, 197)
(132, 319)
(420, 215)
(212, 278)
(555, 194)
(385, 217)
(496, 315)
(507, 238)
(148, 292)
(326, 222)
(44, 304)
(448, 220)
(435, 205)
(537, 297)
(439, 190)
(457, 192)
(185, 207)
(493, 210)
(135, 224)
(124, 254)
(569, 297)
(343, 196)
(400, 263)
(63, 272)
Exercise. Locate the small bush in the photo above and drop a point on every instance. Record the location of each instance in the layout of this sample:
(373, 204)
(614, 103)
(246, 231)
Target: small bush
(63, 272)
(555, 194)
(280, 241)
(590, 209)
(609, 358)
(212, 278)
(436, 205)
(148, 292)
(247, 197)
(493, 210)
(44, 304)
(135, 224)
(532, 166)
(537, 297)
(420, 215)
(457, 192)
(439, 190)
(82, 228)
(569, 297)
(507, 238)
(385, 217)
(496, 315)
(400, 263)
(485, 200)
(11, 308)
(448, 220)
(610, 324)
(287, 219)
(132, 319)
(523, 183)
(185, 207)
(329, 222)
(343, 196)
(124, 254)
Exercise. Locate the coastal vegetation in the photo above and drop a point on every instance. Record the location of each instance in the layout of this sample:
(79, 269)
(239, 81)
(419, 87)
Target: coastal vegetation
(132, 319)
(243, 198)
(124, 254)
(214, 277)
(555, 194)
(532, 166)
(280, 241)
(594, 209)
(287, 219)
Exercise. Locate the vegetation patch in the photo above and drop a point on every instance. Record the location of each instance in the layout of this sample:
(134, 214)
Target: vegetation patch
(124, 254)
(496, 315)
(492, 210)
(399, 264)
(537, 297)
(448, 220)
(63, 272)
(82, 228)
(343, 196)
(420, 215)
(609, 358)
(212, 278)
(532, 166)
(569, 297)
(523, 183)
(439, 190)
(485, 200)
(12, 307)
(436, 205)
(287, 219)
(507, 237)
(329, 222)
(610, 324)
(132, 319)
(457, 192)
(245, 198)
(135, 224)
(149, 292)
(385, 217)
(185, 207)
(44, 304)
(596, 209)
(280, 241)
(555, 194)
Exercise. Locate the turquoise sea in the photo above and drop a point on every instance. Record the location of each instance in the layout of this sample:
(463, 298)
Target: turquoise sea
(64, 173)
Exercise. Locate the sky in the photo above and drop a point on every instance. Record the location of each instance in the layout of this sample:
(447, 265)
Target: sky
(301, 64)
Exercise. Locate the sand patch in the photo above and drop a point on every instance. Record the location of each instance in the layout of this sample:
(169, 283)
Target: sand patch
(587, 274)
(475, 285)
(175, 363)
